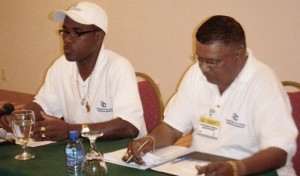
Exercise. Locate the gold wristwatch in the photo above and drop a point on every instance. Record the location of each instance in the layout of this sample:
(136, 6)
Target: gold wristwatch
(84, 128)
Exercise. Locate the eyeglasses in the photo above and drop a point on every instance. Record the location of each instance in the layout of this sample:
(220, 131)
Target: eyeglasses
(208, 62)
(74, 34)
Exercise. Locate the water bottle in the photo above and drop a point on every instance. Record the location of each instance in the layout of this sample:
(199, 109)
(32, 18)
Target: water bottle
(74, 154)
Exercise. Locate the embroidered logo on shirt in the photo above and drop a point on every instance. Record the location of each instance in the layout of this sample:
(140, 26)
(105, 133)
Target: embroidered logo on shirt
(103, 107)
(235, 117)
(235, 122)
(103, 104)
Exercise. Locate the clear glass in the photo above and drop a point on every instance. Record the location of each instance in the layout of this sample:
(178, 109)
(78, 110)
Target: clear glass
(93, 164)
(22, 122)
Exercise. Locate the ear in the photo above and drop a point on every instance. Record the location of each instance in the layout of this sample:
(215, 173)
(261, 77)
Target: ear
(100, 36)
(240, 54)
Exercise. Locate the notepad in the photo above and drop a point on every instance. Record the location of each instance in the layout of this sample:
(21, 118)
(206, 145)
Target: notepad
(158, 157)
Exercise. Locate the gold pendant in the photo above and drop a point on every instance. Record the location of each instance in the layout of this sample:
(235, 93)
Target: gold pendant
(87, 106)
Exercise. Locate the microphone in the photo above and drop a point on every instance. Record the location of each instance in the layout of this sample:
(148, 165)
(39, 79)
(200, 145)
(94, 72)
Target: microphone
(6, 109)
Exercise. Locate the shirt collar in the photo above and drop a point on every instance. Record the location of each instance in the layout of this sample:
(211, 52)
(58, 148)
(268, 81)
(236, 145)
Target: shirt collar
(248, 69)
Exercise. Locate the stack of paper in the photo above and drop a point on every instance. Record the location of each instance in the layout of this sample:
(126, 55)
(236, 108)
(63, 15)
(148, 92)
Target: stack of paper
(159, 156)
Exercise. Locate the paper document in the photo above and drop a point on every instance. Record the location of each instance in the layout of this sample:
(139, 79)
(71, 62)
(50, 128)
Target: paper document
(181, 167)
(159, 156)
(2, 133)
(31, 143)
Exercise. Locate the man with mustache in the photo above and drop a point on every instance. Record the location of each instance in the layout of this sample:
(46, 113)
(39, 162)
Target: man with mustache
(89, 87)
(234, 104)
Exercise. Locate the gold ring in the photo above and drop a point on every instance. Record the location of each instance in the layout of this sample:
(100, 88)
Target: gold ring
(43, 128)
(43, 135)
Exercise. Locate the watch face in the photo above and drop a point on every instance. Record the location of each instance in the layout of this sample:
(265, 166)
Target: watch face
(85, 128)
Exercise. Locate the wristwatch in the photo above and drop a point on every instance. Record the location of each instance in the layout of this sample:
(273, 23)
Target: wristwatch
(84, 128)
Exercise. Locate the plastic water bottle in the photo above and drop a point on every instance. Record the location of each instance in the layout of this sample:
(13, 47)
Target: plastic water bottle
(74, 154)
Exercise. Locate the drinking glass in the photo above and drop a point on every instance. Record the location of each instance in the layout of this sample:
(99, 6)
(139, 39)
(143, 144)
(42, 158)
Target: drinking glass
(93, 164)
(22, 125)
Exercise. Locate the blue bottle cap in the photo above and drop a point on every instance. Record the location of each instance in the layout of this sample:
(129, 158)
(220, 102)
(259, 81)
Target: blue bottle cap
(73, 135)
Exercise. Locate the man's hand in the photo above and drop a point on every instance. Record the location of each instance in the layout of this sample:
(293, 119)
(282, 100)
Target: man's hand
(217, 168)
(51, 128)
(135, 155)
(161, 136)
(5, 123)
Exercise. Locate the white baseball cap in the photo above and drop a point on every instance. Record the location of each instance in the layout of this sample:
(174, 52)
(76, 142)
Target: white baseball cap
(84, 13)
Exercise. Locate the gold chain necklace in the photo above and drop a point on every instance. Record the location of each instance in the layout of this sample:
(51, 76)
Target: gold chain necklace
(85, 98)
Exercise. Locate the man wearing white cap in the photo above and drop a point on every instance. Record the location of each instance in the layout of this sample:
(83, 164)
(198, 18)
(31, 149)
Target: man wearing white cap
(90, 87)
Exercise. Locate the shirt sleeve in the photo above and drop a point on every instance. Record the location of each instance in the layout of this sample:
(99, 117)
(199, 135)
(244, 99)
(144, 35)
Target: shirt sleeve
(179, 113)
(126, 100)
(47, 96)
(274, 123)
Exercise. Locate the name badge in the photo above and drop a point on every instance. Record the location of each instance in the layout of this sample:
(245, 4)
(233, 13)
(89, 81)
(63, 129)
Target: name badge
(209, 127)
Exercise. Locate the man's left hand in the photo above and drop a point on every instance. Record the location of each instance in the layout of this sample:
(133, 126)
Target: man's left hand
(216, 168)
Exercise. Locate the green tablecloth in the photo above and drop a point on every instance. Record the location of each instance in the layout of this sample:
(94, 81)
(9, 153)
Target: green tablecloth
(50, 160)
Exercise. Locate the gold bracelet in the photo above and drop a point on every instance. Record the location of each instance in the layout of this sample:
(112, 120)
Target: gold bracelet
(151, 137)
(234, 168)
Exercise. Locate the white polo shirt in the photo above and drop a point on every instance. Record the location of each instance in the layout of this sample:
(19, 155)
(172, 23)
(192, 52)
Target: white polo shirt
(113, 92)
(254, 113)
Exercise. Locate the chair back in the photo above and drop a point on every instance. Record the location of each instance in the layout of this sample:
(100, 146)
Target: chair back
(295, 102)
(152, 102)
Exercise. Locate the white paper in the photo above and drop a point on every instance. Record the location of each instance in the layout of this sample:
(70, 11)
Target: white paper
(2, 133)
(5, 135)
(159, 156)
(181, 167)
(31, 143)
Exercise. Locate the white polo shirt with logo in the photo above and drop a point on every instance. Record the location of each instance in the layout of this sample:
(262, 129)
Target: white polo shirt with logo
(113, 92)
(254, 113)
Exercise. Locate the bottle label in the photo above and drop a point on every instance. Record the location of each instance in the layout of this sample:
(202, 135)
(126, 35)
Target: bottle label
(74, 157)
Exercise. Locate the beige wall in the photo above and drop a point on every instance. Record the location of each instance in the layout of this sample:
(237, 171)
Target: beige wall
(155, 35)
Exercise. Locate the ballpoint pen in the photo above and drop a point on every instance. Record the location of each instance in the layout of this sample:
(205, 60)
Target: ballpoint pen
(140, 148)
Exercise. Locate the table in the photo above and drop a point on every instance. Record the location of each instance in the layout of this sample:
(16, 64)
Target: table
(50, 160)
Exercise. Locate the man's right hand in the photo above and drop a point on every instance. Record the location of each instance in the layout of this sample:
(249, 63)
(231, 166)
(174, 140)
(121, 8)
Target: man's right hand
(161, 136)
(133, 153)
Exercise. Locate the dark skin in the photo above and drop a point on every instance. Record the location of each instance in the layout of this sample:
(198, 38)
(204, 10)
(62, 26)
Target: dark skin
(231, 60)
(84, 51)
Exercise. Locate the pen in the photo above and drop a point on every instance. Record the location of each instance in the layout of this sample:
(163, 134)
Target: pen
(140, 148)
(179, 160)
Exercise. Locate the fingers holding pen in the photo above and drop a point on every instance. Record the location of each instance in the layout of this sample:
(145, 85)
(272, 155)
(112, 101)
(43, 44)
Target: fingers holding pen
(132, 154)
(139, 153)
(136, 150)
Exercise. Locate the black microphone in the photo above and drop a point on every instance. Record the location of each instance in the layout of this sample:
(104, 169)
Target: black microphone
(6, 109)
